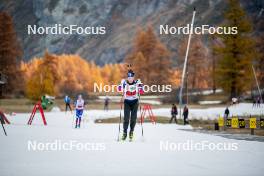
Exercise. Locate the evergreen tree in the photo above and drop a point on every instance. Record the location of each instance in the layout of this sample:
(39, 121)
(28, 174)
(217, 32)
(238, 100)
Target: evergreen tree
(150, 58)
(95, 75)
(106, 73)
(115, 75)
(70, 86)
(40, 83)
(10, 54)
(234, 72)
(198, 66)
(260, 60)
(51, 63)
(161, 65)
(44, 79)
(214, 43)
(141, 71)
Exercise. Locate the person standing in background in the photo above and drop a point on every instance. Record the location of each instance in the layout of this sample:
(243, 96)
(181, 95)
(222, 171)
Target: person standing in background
(106, 103)
(67, 101)
(258, 102)
(174, 113)
(226, 115)
(185, 114)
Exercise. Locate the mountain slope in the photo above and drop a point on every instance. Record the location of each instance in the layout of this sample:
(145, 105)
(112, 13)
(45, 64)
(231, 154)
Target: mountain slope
(121, 18)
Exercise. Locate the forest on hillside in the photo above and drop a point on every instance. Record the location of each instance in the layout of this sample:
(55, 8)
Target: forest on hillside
(227, 63)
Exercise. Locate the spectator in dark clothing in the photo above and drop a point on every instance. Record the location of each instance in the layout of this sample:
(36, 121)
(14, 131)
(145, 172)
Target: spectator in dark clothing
(226, 112)
(185, 115)
(106, 103)
(254, 102)
(67, 101)
(258, 102)
(174, 113)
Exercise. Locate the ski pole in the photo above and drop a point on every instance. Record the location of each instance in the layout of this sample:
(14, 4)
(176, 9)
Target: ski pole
(73, 120)
(121, 107)
(142, 131)
(4, 129)
(2, 120)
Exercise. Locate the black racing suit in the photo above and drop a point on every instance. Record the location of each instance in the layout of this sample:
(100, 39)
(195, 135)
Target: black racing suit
(131, 93)
(130, 114)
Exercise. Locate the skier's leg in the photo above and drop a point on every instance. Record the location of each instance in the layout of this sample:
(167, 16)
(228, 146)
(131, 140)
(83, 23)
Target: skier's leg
(79, 124)
(133, 116)
(133, 120)
(76, 122)
(70, 107)
(80, 118)
(126, 116)
(77, 118)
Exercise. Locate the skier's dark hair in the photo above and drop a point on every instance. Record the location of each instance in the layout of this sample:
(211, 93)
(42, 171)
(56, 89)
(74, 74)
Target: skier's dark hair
(130, 72)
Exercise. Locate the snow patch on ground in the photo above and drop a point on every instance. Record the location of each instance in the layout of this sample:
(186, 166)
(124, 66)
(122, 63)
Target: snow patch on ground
(141, 157)
(209, 102)
(55, 109)
(241, 109)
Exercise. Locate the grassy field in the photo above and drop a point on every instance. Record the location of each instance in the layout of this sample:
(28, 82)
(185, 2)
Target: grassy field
(25, 105)
(16, 105)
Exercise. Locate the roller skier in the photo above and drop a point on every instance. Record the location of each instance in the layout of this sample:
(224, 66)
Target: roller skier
(79, 107)
(131, 90)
